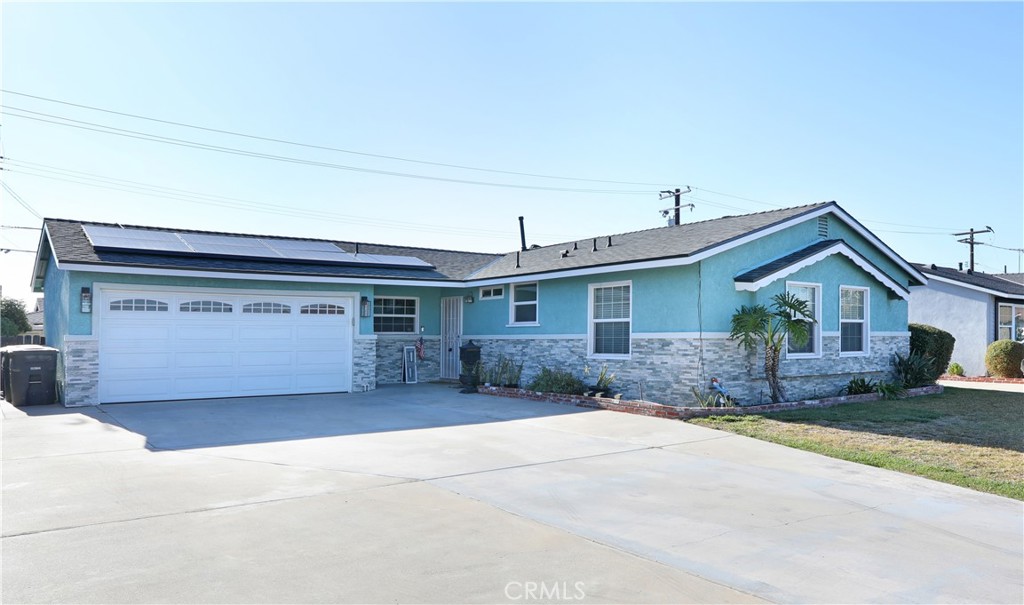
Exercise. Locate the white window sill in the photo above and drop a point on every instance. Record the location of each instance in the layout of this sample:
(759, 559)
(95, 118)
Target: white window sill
(803, 355)
(855, 354)
(523, 325)
(608, 356)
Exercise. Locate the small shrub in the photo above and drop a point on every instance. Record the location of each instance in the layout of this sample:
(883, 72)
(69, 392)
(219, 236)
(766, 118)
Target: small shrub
(604, 381)
(859, 386)
(1003, 358)
(556, 381)
(914, 370)
(503, 373)
(932, 343)
(955, 369)
(890, 390)
(711, 399)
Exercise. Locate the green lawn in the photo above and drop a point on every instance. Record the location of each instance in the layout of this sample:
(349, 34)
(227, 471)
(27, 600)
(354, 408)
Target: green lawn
(965, 437)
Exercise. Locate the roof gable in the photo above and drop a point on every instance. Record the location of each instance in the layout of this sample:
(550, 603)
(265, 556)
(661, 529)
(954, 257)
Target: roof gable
(974, 280)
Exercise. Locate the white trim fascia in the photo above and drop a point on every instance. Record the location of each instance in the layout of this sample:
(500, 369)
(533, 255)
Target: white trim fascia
(682, 335)
(223, 290)
(889, 334)
(404, 335)
(365, 337)
(524, 337)
(871, 237)
(319, 279)
(830, 334)
(953, 282)
(43, 235)
(838, 248)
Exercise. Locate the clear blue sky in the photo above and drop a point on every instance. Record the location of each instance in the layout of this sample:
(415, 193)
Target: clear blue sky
(909, 115)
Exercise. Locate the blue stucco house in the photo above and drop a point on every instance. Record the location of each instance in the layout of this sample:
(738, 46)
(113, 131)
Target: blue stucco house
(147, 313)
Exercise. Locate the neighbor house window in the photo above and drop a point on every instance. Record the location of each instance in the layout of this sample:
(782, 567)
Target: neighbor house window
(137, 304)
(492, 292)
(1011, 322)
(853, 320)
(811, 293)
(205, 306)
(395, 315)
(266, 307)
(524, 304)
(610, 319)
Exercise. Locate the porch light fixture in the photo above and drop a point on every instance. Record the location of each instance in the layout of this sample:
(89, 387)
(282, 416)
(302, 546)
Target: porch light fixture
(86, 300)
(364, 307)
(468, 299)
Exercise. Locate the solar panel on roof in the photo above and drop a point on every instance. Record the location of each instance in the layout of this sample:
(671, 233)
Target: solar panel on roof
(134, 239)
(208, 244)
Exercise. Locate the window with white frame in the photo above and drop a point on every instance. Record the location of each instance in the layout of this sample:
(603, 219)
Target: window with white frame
(492, 292)
(610, 319)
(853, 320)
(811, 293)
(205, 306)
(1011, 322)
(523, 306)
(393, 315)
(138, 304)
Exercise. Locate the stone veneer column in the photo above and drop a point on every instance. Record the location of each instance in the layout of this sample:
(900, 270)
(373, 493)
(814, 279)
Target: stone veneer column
(364, 364)
(390, 349)
(78, 375)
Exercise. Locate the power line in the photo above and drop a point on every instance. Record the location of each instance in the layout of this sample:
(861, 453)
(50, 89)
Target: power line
(328, 148)
(137, 187)
(18, 199)
(6, 250)
(134, 134)
(19, 227)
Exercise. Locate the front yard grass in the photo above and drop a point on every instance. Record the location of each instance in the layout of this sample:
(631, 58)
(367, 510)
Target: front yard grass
(969, 438)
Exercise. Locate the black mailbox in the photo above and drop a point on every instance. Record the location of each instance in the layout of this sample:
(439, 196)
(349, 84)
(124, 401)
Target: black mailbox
(469, 355)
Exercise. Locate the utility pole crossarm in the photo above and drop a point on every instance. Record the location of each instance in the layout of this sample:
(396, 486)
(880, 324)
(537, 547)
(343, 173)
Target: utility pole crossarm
(676, 194)
(969, 240)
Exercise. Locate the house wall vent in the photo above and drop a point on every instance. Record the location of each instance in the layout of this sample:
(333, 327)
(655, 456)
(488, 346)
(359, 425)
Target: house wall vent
(823, 227)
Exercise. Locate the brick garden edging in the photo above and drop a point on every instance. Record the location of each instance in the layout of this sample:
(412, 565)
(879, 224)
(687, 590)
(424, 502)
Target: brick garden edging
(992, 379)
(658, 410)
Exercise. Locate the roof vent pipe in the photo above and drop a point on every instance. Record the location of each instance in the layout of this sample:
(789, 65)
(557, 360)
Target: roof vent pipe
(961, 267)
(522, 235)
(595, 245)
(517, 260)
(609, 241)
(357, 248)
(576, 247)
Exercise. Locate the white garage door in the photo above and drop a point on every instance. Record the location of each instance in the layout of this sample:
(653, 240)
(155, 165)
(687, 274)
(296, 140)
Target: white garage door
(161, 345)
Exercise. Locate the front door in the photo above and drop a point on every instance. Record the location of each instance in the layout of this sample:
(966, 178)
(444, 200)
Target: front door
(451, 336)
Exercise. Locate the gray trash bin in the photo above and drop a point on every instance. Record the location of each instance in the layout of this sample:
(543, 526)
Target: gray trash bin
(30, 373)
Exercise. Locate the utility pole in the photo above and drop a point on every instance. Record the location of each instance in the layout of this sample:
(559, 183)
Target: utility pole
(677, 193)
(969, 240)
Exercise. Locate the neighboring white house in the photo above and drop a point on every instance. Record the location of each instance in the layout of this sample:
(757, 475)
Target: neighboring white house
(976, 308)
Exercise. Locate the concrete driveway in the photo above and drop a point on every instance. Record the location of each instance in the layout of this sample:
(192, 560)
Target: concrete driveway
(420, 494)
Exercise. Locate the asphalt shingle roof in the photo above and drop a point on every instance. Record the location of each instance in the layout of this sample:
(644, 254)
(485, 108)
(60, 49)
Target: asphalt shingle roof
(781, 263)
(651, 244)
(975, 278)
(71, 245)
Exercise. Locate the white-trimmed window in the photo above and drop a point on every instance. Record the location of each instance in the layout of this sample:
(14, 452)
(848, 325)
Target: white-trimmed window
(811, 293)
(271, 308)
(205, 306)
(1011, 322)
(137, 304)
(854, 305)
(322, 309)
(492, 292)
(523, 305)
(610, 319)
(394, 315)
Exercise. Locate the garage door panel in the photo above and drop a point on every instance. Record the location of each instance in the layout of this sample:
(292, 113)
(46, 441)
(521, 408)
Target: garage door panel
(206, 359)
(204, 333)
(153, 361)
(265, 332)
(136, 333)
(140, 389)
(155, 356)
(265, 359)
(331, 358)
(204, 386)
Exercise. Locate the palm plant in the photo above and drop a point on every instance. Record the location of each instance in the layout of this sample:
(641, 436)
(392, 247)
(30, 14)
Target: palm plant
(758, 325)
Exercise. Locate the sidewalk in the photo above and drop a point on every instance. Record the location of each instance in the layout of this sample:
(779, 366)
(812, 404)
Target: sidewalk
(986, 383)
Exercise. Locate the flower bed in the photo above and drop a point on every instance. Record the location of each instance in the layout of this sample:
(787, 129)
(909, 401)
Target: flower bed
(658, 410)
